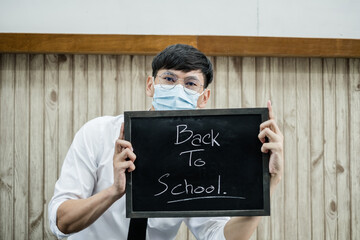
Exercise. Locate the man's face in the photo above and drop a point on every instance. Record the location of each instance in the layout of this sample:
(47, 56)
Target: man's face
(184, 78)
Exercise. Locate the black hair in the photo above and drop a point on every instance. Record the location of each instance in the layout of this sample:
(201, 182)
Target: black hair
(184, 58)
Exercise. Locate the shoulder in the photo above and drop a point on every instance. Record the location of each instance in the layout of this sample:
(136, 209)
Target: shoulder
(101, 128)
(104, 123)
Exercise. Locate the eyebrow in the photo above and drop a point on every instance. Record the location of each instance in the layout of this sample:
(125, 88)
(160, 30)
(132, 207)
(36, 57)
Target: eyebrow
(170, 73)
(189, 77)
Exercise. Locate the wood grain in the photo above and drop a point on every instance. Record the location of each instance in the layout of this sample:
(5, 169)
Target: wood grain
(7, 141)
(152, 44)
(148, 72)
(211, 102)
(182, 233)
(354, 98)
(277, 101)
(80, 95)
(89, 43)
(317, 148)
(342, 149)
(316, 103)
(331, 212)
(303, 147)
(277, 46)
(109, 85)
(220, 93)
(249, 91)
(21, 163)
(124, 83)
(36, 181)
(262, 96)
(51, 134)
(94, 86)
(138, 86)
(234, 81)
(66, 111)
(290, 150)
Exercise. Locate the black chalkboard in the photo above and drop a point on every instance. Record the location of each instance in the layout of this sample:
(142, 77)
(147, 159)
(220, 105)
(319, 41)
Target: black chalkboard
(193, 163)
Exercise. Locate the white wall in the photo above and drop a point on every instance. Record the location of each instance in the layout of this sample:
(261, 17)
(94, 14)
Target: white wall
(282, 18)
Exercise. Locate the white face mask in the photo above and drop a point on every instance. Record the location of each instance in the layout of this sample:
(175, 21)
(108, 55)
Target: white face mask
(167, 97)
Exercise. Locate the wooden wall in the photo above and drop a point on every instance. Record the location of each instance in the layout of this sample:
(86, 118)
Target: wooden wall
(45, 99)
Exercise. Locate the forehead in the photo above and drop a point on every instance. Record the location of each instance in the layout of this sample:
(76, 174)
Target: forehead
(181, 74)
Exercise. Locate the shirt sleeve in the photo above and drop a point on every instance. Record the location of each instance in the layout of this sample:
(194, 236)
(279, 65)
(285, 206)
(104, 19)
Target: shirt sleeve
(78, 173)
(207, 228)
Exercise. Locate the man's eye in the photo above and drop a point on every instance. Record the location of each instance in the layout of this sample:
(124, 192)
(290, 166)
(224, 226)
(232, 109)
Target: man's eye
(192, 84)
(169, 79)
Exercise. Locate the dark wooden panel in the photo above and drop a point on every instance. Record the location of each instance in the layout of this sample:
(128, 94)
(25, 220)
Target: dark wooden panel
(88, 43)
(276, 46)
(152, 44)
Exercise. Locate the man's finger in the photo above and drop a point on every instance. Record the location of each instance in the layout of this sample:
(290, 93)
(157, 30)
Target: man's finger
(271, 114)
(270, 124)
(266, 132)
(122, 132)
(127, 155)
(122, 144)
(271, 146)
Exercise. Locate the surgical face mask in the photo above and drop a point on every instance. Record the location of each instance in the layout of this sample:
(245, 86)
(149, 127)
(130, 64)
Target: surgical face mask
(174, 98)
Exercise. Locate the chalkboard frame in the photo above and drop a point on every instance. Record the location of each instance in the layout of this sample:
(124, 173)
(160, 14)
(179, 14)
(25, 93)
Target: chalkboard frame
(131, 213)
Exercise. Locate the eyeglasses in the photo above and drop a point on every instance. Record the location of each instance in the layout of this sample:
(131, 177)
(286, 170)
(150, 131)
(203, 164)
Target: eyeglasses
(169, 80)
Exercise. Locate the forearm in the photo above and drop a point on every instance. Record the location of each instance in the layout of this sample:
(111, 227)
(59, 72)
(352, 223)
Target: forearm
(243, 227)
(75, 215)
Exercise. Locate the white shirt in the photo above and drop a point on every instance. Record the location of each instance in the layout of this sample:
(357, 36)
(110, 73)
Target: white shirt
(88, 169)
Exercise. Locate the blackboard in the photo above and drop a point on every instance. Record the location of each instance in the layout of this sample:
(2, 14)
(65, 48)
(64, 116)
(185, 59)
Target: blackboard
(194, 163)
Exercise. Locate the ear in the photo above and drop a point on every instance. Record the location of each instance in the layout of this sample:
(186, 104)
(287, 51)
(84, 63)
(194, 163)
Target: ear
(203, 99)
(150, 86)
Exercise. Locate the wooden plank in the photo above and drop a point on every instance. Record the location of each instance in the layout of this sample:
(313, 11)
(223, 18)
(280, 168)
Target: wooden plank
(80, 95)
(342, 149)
(36, 170)
(21, 163)
(109, 85)
(51, 134)
(148, 72)
(234, 82)
(182, 233)
(317, 148)
(249, 91)
(138, 83)
(94, 86)
(66, 112)
(248, 82)
(220, 92)
(331, 213)
(211, 102)
(277, 101)
(290, 150)
(278, 46)
(191, 236)
(152, 44)
(354, 98)
(124, 83)
(7, 141)
(262, 96)
(90, 43)
(303, 147)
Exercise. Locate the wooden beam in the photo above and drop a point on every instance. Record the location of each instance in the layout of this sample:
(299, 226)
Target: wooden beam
(152, 44)
(279, 47)
(89, 43)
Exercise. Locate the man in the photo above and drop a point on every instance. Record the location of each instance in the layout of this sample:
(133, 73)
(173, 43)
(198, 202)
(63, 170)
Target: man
(89, 201)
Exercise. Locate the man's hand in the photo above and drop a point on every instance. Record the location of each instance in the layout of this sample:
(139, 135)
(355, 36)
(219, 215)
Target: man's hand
(271, 130)
(76, 214)
(123, 160)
